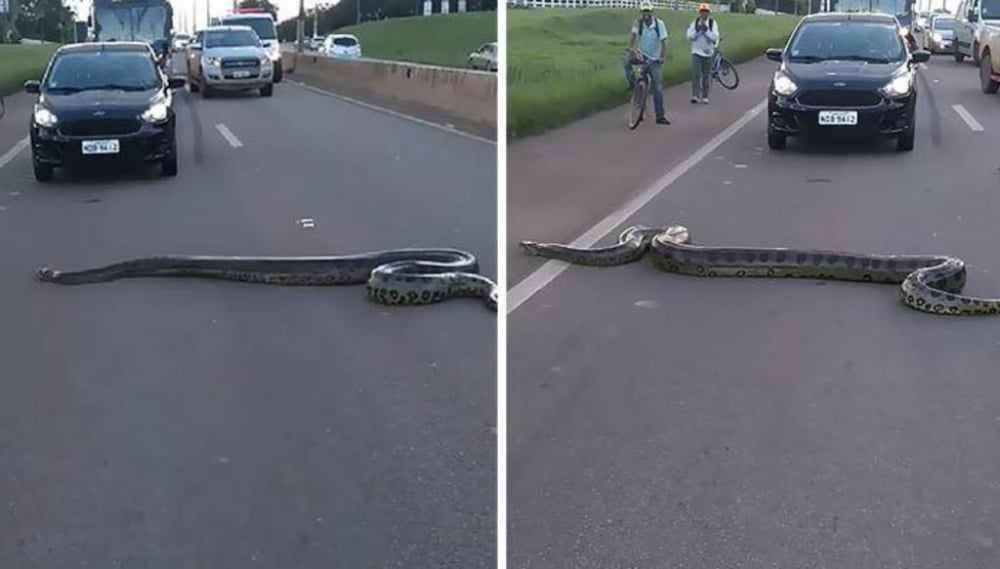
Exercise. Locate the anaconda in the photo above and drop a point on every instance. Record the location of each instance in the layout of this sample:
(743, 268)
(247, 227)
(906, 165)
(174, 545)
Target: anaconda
(393, 277)
(929, 283)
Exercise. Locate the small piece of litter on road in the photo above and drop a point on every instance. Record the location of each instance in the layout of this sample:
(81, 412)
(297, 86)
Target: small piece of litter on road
(739, 165)
(727, 182)
(647, 304)
(13, 193)
(307, 223)
(222, 460)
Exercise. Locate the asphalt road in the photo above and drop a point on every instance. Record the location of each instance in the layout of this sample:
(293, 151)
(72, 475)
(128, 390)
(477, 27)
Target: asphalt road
(661, 421)
(183, 423)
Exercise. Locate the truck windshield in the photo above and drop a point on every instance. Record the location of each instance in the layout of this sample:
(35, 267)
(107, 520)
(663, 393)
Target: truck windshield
(263, 26)
(139, 23)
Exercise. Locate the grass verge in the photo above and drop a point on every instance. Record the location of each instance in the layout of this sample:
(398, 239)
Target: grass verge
(565, 64)
(20, 63)
(442, 39)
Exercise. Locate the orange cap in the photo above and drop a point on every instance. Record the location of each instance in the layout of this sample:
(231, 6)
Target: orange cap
(704, 8)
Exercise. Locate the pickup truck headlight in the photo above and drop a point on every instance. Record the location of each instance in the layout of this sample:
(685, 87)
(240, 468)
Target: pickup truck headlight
(45, 118)
(899, 86)
(212, 61)
(783, 84)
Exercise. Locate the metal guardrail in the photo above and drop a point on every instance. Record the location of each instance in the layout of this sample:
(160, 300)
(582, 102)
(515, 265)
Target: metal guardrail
(677, 5)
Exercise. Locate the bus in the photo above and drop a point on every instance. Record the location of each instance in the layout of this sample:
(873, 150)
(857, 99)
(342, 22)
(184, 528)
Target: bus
(150, 21)
(902, 9)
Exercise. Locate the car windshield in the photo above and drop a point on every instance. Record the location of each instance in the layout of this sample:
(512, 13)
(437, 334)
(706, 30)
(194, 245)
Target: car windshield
(231, 38)
(847, 41)
(944, 24)
(119, 70)
(345, 42)
(263, 26)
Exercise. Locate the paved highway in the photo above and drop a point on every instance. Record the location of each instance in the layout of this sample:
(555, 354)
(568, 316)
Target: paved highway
(658, 420)
(182, 423)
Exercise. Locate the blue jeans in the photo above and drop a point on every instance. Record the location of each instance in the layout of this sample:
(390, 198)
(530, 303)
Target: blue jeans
(656, 71)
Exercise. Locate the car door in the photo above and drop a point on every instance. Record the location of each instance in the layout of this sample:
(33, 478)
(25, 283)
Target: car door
(961, 25)
(194, 56)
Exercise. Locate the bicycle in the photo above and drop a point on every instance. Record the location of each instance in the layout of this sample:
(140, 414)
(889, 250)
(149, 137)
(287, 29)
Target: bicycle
(640, 92)
(723, 68)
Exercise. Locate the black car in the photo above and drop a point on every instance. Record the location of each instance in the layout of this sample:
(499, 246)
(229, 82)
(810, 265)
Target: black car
(844, 74)
(103, 102)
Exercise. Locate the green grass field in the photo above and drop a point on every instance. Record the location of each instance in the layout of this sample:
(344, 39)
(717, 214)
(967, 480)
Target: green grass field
(564, 64)
(441, 39)
(20, 63)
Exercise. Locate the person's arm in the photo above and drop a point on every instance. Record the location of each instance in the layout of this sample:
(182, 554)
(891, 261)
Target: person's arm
(663, 42)
(712, 33)
(692, 33)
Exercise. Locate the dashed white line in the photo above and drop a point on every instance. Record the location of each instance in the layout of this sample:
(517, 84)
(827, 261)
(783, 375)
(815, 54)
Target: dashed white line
(968, 118)
(545, 274)
(10, 154)
(228, 135)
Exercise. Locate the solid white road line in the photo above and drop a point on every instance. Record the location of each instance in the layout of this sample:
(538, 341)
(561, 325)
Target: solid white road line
(228, 135)
(968, 118)
(9, 156)
(545, 274)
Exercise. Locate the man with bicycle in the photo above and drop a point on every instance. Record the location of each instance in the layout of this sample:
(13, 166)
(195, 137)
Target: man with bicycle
(647, 46)
(703, 33)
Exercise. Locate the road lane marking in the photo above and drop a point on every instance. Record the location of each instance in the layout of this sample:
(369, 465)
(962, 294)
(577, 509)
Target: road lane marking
(9, 156)
(445, 128)
(228, 135)
(968, 118)
(545, 274)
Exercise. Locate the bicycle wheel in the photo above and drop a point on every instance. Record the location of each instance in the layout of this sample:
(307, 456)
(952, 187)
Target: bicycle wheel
(726, 74)
(638, 106)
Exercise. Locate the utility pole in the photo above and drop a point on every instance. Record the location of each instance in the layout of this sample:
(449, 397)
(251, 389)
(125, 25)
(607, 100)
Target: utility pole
(300, 27)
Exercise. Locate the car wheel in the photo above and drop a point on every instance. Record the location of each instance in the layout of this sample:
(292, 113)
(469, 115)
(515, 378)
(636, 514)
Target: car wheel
(267, 91)
(169, 164)
(43, 173)
(986, 82)
(207, 92)
(278, 74)
(776, 140)
(192, 85)
(959, 56)
(975, 53)
(906, 140)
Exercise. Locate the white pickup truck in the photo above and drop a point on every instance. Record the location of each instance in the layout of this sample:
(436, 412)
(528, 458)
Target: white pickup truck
(989, 59)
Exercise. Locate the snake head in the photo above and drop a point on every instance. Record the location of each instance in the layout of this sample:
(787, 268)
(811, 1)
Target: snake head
(46, 274)
(531, 247)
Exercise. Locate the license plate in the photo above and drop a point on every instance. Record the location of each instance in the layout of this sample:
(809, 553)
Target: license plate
(838, 118)
(100, 147)
(241, 74)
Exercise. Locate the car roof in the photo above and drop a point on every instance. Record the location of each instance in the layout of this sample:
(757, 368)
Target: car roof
(94, 47)
(868, 17)
(232, 28)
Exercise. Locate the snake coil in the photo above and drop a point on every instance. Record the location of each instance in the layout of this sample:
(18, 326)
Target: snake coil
(930, 284)
(393, 277)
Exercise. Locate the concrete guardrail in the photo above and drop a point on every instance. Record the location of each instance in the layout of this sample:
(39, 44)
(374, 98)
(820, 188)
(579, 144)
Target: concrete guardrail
(471, 95)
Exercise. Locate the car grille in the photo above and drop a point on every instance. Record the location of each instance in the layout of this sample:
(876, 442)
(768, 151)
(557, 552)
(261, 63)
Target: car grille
(100, 127)
(839, 98)
(240, 63)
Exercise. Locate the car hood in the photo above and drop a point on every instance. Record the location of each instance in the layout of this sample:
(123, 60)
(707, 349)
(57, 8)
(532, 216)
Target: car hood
(849, 73)
(247, 51)
(111, 102)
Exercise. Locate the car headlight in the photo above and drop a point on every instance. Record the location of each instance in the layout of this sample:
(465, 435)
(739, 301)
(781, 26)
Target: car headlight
(45, 118)
(936, 36)
(783, 85)
(265, 60)
(212, 61)
(156, 113)
(899, 86)
(904, 31)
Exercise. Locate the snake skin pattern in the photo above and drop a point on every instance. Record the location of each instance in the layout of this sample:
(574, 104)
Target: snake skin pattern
(395, 277)
(927, 283)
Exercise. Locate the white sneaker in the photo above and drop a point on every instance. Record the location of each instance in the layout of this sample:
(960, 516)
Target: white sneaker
(694, 100)
(704, 100)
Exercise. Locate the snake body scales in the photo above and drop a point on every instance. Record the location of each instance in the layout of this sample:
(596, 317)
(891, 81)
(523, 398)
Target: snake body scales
(930, 284)
(394, 277)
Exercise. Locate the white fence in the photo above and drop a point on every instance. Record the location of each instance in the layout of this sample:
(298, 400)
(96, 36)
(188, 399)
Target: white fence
(658, 4)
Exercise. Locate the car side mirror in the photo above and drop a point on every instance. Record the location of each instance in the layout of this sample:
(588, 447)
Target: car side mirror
(920, 56)
(774, 54)
(32, 87)
(176, 83)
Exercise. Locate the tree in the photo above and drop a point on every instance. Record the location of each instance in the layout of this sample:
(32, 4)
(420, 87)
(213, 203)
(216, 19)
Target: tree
(260, 4)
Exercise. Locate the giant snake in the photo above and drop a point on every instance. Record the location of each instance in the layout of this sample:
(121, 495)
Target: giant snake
(393, 277)
(928, 283)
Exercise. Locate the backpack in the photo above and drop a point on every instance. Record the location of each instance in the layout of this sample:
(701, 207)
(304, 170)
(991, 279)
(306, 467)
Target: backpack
(656, 26)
